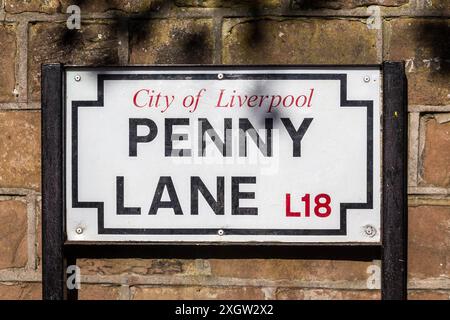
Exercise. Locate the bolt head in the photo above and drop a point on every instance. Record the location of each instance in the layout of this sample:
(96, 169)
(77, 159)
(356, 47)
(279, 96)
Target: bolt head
(220, 76)
(366, 79)
(370, 230)
(77, 77)
(220, 232)
(79, 230)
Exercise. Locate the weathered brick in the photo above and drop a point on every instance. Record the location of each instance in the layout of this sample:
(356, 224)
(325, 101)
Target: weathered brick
(130, 6)
(287, 41)
(423, 44)
(13, 234)
(169, 41)
(428, 242)
(8, 49)
(130, 266)
(435, 157)
(326, 294)
(442, 5)
(20, 157)
(188, 267)
(20, 291)
(252, 4)
(302, 270)
(124, 267)
(274, 269)
(38, 233)
(19, 6)
(196, 293)
(98, 292)
(344, 4)
(92, 44)
(428, 295)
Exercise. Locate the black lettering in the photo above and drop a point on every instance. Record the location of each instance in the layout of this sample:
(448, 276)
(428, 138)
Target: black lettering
(157, 203)
(236, 195)
(121, 209)
(217, 205)
(134, 139)
(265, 147)
(296, 135)
(169, 151)
(205, 127)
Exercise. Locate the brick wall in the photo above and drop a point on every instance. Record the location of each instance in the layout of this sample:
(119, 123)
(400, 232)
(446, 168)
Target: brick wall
(219, 31)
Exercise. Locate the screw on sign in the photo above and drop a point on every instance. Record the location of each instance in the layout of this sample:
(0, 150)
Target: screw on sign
(370, 231)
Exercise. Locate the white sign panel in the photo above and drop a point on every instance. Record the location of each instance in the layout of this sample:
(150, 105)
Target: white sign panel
(223, 154)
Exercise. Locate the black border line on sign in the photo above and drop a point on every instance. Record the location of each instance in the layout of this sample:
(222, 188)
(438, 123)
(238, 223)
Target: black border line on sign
(342, 231)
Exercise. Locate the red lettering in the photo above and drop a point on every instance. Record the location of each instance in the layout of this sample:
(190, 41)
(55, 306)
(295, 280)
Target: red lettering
(310, 97)
(272, 103)
(242, 102)
(219, 102)
(289, 213)
(306, 200)
(303, 103)
(322, 208)
(136, 95)
(322, 205)
(287, 105)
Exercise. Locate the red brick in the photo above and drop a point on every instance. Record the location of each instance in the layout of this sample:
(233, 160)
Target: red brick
(19, 6)
(38, 233)
(20, 149)
(130, 6)
(326, 294)
(344, 4)
(98, 292)
(423, 43)
(435, 158)
(130, 266)
(94, 43)
(428, 242)
(428, 295)
(13, 234)
(196, 293)
(8, 49)
(20, 291)
(304, 270)
(443, 6)
(289, 41)
(251, 4)
(168, 41)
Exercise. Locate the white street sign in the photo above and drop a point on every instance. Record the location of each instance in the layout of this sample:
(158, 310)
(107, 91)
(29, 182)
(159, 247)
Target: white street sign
(223, 154)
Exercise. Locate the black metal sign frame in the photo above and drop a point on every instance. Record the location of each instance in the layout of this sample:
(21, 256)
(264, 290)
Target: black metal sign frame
(58, 253)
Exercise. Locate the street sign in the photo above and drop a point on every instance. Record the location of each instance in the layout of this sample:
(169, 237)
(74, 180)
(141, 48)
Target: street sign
(224, 162)
(223, 154)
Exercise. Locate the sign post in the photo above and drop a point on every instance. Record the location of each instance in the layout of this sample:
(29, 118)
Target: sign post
(284, 157)
(395, 200)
